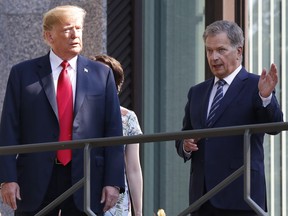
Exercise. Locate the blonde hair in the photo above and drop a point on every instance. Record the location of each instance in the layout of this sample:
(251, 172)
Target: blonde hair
(59, 14)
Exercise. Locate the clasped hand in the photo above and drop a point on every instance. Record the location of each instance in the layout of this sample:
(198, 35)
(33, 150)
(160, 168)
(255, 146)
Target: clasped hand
(190, 145)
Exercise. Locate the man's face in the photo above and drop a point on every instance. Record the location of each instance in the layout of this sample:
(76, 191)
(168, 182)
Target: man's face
(65, 38)
(223, 58)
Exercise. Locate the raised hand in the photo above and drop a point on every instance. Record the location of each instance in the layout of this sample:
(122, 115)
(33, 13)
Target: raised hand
(268, 81)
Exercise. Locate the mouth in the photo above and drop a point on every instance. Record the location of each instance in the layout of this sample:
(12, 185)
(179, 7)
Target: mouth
(75, 44)
(216, 67)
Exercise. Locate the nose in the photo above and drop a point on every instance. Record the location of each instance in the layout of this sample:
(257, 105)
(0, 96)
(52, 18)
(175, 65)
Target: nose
(214, 55)
(75, 33)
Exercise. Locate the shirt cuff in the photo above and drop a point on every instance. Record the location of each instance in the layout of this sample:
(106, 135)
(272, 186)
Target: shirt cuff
(265, 101)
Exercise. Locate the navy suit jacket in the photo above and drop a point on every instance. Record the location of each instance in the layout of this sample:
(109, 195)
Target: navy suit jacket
(30, 116)
(219, 157)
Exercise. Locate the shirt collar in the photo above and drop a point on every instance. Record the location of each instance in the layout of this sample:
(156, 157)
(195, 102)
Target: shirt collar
(56, 61)
(231, 76)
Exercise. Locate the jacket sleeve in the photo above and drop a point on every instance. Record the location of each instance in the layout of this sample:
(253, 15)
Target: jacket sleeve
(114, 155)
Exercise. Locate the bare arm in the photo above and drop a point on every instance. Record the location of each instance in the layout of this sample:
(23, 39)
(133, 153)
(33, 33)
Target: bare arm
(134, 177)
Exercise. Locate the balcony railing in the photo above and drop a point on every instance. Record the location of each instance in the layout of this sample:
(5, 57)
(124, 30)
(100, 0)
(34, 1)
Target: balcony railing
(88, 144)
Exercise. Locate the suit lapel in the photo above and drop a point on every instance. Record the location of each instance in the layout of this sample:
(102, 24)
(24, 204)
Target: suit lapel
(206, 96)
(46, 78)
(45, 74)
(81, 86)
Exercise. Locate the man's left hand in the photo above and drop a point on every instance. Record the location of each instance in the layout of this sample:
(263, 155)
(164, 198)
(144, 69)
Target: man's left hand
(268, 81)
(110, 196)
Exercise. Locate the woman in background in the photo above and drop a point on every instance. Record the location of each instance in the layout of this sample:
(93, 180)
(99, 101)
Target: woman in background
(133, 172)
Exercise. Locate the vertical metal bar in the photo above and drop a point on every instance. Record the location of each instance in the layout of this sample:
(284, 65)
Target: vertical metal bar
(250, 40)
(87, 182)
(260, 37)
(247, 164)
(247, 175)
(272, 141)
(283, 105)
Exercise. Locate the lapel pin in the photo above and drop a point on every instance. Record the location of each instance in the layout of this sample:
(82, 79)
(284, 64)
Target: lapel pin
(86, 70)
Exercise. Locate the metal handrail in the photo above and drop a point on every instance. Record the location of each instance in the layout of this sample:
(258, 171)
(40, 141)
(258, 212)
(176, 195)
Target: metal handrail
(87, 144)
(245, 169)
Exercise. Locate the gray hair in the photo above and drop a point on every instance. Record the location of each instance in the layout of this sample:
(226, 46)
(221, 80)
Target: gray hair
(233, 31)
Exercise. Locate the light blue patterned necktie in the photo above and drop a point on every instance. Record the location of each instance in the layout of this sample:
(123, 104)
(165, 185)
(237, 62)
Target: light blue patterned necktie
(216, 102)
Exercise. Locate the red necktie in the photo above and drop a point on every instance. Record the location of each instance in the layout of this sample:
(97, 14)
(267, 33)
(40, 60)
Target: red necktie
(65, 112)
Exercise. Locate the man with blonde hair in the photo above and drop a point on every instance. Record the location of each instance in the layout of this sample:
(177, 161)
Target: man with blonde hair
(61, 96)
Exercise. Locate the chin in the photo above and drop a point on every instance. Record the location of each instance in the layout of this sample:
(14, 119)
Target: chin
(76, 51)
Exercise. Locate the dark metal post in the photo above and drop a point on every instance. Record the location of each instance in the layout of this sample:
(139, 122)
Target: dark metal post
(87, 182)
(247, 176)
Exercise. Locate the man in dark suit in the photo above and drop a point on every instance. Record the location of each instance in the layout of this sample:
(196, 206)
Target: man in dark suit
(31, 114)
(243, 98)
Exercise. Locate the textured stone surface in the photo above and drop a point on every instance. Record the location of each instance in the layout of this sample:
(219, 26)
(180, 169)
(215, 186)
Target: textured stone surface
(21, 31)
(23, 7)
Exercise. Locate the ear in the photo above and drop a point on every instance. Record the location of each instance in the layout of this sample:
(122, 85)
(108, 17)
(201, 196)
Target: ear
(239, 51)
(48, 37)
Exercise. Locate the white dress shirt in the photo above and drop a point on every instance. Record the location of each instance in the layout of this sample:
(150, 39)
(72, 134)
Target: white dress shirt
(56, 69)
